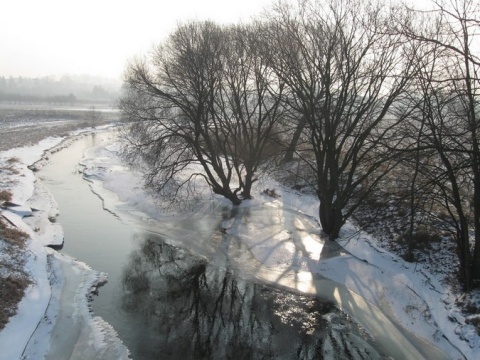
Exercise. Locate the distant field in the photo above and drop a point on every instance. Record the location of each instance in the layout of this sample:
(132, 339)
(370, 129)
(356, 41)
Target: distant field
(27, 124)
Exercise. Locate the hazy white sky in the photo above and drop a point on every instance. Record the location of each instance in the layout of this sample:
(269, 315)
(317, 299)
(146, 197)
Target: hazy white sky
(97, 37)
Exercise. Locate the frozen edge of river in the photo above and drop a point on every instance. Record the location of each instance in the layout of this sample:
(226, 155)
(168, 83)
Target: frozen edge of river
(50, 308)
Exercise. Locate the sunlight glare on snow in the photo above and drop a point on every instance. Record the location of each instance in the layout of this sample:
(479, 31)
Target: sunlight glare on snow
(303, 281)
(312, 246)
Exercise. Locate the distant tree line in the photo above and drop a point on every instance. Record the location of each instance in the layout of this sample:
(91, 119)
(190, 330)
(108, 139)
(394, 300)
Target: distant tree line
(356, 91)
(59, 99)
(51, 89)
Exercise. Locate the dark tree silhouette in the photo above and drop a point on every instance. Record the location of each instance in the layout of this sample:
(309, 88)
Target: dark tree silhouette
(204, 101)
(344, 74)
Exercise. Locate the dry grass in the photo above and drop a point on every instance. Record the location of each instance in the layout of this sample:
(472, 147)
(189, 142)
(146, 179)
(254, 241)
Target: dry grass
(13, 279)
(5, 195)
(10, 170)
(12, 236)
(9, 166)
(13, 160)
(12, 289)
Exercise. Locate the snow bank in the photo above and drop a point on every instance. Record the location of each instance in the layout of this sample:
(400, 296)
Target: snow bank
(406, 291)
(37, 296)
(76, 334)
(281, 233)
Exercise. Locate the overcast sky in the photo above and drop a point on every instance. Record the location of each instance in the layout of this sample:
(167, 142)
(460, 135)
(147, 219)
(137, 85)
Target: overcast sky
(97, 37)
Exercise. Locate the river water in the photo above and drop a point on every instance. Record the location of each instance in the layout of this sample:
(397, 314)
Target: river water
(170, 298)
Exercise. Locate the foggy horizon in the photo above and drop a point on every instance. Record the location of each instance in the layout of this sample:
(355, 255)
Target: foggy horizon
(97, 38)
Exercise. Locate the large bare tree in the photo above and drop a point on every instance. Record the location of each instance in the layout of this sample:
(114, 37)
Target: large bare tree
(203, 103)
(344, 73)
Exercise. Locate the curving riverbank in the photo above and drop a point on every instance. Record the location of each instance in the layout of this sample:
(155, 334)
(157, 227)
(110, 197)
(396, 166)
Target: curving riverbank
(53, 319)
(274, 241)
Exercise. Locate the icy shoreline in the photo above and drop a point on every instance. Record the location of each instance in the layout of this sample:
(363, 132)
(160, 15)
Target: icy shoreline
(45, 313)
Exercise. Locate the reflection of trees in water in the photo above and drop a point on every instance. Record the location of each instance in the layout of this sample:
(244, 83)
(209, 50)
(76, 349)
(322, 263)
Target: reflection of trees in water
(200, 311)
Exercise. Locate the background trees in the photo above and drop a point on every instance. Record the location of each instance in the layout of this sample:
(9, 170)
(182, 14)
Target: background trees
(446, 122)
(65, 89)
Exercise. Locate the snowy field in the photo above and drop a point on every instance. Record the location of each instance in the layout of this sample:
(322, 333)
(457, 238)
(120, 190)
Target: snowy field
(401, 302)
(23, 124)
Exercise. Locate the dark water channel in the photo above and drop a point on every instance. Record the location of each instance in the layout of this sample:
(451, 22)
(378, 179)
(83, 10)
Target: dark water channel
(167, 301)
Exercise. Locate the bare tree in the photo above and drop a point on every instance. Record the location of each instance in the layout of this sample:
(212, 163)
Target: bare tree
(203, 102)
(249, 106)
(448, 123)
(344, 73)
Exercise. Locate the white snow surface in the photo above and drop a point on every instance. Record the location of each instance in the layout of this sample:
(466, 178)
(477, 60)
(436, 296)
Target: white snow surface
(44, 314)
(282, 233)
(34, 304)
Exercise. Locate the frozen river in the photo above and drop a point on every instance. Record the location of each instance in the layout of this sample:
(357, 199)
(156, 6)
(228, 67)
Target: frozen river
(190, 288)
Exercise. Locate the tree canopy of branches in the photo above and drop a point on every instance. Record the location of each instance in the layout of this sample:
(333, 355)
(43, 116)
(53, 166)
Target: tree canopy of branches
(446, 121)
(357, 86)
(203, 98)
(343, 73)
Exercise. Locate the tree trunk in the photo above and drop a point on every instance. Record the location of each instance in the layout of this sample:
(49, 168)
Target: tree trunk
(228, 194)
(465, 263)
(247, 187)
(475, 268)
(293, 143)
(233, 198)
(331, 219)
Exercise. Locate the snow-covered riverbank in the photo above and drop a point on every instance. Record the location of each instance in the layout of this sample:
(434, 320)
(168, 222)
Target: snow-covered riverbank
(53, 319)
(281, 232)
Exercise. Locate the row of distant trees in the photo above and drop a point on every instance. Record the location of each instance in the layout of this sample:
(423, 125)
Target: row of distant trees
(58, 99)
(352, 89)
(64, 89)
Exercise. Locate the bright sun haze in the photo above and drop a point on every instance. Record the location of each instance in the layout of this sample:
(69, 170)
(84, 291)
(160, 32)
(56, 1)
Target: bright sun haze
(97, 37)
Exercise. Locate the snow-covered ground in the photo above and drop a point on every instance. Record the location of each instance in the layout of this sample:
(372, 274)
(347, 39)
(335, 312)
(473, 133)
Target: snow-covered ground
(386, 295)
